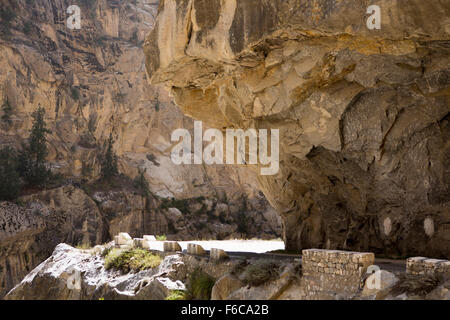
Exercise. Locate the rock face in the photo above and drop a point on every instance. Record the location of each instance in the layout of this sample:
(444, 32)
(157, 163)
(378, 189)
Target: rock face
(363, 114)
(29, 234)
(71, 274)
(92, 82)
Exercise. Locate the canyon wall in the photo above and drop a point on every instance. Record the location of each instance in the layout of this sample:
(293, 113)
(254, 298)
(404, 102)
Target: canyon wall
(92, 82)
(363, 114)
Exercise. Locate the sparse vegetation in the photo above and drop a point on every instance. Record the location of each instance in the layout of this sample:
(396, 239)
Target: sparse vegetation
(200, 285)
(6, 16)
(260, 272)
(7, 112)
(109, 161)
(75, 93)
(161, 238)
(182, 205)
(87, 140)
(141, 184)
(106, 251)
(84, 246)
(9, 177)
(176, 295)
(26, 29)
(131, 260)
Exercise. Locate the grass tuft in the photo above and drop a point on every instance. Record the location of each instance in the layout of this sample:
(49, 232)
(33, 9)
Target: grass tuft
(83, 246)
(176, 295)
(131, 260)
(200, 285)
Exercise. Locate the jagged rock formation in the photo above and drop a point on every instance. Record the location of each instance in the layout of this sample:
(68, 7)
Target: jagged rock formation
(29, 234)
(363, 114)
(92, 82)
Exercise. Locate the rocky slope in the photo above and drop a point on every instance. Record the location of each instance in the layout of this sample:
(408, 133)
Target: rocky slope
(81, 275)
(363, 114)
(92, 82)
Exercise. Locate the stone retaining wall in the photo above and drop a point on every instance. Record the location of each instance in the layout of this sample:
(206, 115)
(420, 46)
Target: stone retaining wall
(328, 271)
(422, 265)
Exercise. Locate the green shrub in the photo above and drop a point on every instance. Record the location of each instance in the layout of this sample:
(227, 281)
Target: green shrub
(75, 93)
(161, 238)
(84, 246)
(260, 272)
(6, 17)
(109, 161)
(131, 260)
(27, 27)
(105, 252)
(141, 183)
(200, 285)
(9, 177)
(176, 295)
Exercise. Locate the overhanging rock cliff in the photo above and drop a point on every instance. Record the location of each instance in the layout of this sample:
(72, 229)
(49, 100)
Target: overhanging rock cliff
(363, 114)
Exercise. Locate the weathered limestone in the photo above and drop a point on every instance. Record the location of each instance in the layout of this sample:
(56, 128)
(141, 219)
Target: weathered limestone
(218, 254)
(139, 242)
(150, 238)
(123, 239)
(329, 271)
(378, 281)
(361, 112)
(98, 249)
(195, 249)
(422, 265)
(225, 286)
(172, 246)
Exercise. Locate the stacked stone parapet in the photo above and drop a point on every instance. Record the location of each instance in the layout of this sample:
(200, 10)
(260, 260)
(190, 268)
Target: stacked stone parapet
(427, 266)
(328, 271)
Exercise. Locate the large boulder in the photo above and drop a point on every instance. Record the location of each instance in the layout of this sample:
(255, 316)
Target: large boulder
(73, 274)
(225, 286)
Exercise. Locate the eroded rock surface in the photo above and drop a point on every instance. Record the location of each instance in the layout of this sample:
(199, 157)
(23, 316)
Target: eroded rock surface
(29, 233)
(363, 114)
(92, 82)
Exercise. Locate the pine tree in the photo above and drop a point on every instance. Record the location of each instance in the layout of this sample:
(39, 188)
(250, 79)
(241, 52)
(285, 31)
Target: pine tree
(109, 161)
(9, 177)
(32, 165)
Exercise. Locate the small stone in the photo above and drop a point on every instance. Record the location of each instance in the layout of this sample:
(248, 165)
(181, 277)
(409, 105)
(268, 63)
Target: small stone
(218, 254)
(172, 246)
(195, 249)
